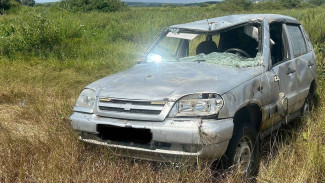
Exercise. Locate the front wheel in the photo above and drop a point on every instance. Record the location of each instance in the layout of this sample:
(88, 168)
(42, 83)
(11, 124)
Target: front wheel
(242, 154)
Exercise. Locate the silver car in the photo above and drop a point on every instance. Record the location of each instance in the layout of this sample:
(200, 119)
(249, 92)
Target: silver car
(207, 90)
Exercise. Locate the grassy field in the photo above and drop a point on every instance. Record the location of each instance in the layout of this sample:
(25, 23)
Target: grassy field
(47, 55)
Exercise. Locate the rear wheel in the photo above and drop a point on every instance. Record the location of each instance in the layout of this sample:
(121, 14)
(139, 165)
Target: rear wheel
(310, 103)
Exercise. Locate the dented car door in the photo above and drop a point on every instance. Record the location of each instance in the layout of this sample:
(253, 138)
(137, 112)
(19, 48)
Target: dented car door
(305, 62)
(284, 67)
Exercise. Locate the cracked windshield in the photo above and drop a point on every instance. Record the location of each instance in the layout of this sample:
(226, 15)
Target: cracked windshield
(237, 47)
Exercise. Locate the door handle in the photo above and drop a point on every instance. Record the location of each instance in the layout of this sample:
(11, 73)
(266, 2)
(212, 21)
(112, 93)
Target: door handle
(290, 70)
(310, 63)
(260, 88)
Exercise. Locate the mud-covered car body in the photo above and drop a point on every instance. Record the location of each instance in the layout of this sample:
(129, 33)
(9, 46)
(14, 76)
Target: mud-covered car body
(179, 109)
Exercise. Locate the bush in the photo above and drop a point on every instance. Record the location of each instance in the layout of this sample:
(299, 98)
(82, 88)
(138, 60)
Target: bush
(269, 5)
(32, 34)
(4, 4)
(291, 3)
(28, 2)
(8, 4)
(92, 5)
(235, 5)
(317, 2)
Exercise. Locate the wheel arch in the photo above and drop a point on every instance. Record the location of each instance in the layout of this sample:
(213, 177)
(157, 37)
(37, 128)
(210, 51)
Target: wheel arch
(313, 87)
(250, 114)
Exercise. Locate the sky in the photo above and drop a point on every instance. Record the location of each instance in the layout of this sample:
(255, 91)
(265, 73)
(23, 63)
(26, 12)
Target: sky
(157, 1)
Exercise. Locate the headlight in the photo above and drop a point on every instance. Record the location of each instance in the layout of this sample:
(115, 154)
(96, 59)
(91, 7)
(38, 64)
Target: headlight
(86, 99)
(204, 104)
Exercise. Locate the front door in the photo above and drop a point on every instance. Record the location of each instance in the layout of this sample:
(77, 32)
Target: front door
(283, 65)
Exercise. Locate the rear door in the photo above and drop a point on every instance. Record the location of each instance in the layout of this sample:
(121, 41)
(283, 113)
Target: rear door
(305, 61)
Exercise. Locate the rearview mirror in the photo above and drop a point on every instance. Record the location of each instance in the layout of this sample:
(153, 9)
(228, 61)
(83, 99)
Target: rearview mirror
(251, 31)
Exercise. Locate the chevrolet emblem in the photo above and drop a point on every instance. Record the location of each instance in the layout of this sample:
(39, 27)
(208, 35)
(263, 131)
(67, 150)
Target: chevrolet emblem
(127, 106)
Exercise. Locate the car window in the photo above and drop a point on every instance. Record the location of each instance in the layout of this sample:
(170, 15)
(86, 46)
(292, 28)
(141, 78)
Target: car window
(237, 38)
(236, 46)
(279, 45)
(309, 45)
(167, 47)
(201, 38)
(297, 40)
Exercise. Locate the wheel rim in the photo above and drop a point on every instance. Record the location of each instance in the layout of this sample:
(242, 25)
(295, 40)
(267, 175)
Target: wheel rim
(243, 156)
(305, 110)
(310, 102)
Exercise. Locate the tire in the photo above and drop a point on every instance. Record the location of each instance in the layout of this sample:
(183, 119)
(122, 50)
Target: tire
(310, 103)
(242, 154)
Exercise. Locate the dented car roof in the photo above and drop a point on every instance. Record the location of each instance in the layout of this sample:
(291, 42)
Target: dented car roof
(220, 23)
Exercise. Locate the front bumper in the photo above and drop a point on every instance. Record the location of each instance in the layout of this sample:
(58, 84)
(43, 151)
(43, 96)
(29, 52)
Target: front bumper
(173, 139)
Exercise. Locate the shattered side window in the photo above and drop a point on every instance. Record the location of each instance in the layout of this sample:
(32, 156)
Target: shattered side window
(279, 46)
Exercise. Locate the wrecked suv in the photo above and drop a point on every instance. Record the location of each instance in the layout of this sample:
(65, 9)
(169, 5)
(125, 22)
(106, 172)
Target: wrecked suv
(207, 90)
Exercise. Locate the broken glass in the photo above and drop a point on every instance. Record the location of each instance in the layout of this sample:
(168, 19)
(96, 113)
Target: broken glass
(228, 59)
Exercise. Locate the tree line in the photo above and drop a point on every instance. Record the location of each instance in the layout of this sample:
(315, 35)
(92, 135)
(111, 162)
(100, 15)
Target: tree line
(114, 5)
(73, 5)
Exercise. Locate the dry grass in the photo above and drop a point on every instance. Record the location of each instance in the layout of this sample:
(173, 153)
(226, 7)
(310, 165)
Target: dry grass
(37, 143)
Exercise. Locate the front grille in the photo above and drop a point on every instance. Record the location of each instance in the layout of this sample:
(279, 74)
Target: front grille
(116, 101)
(130, 107)
(141, 111)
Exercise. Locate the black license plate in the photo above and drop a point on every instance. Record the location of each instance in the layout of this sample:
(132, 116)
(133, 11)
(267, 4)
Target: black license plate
(124, 134)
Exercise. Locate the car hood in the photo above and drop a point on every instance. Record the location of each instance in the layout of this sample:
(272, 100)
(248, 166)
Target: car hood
(170, 81)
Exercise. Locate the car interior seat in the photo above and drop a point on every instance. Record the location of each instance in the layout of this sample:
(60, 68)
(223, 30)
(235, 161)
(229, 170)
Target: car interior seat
(208, 46)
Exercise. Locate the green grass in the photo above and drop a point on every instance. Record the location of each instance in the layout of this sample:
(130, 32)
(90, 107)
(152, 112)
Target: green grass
(47, 55)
